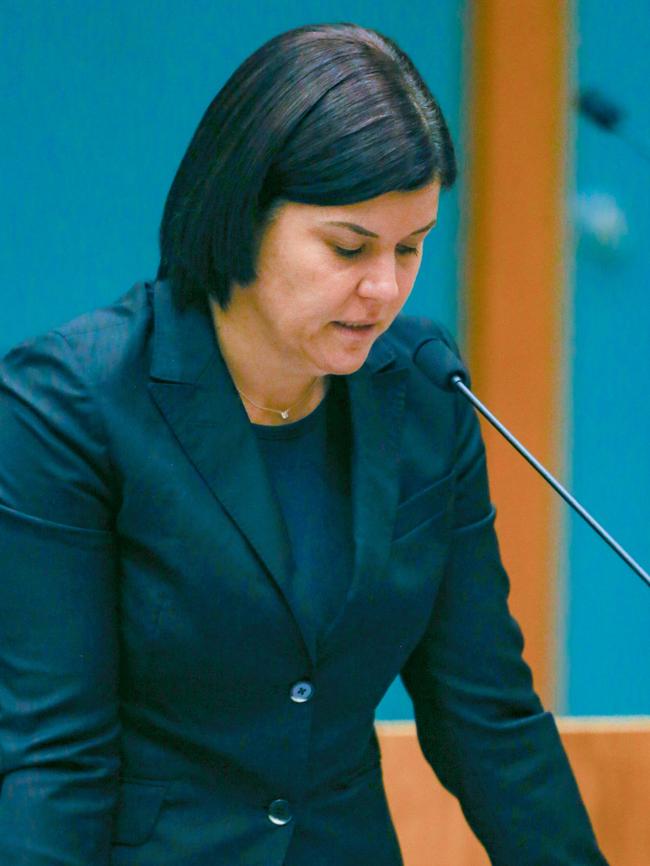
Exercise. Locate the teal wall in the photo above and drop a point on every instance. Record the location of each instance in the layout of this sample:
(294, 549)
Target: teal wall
(99, 102)
(607, 615)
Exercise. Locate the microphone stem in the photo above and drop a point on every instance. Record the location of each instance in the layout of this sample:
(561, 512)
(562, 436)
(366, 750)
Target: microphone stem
(564, 493)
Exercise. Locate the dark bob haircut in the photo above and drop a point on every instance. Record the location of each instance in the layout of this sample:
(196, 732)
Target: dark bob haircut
(327, 114)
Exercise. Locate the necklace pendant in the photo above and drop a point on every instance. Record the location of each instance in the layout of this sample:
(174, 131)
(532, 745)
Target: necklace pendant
(285, 414)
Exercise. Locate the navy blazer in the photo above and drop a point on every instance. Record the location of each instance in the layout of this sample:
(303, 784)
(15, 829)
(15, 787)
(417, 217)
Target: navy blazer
(152, 631)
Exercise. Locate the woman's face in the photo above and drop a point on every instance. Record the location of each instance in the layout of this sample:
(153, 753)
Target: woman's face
(330, 280)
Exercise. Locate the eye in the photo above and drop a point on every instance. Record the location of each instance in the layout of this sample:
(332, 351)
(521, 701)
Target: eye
(346, 253)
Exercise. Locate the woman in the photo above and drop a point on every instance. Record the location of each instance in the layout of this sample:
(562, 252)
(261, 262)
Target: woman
(233, 510)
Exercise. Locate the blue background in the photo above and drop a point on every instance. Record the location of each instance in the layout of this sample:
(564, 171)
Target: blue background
(99, 102)
(607, 607)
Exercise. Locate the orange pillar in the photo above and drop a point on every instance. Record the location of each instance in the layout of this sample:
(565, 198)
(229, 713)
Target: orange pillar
(517, 139)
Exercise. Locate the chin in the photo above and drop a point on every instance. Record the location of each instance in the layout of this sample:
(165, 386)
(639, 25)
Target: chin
(341, 358)
(344, 366)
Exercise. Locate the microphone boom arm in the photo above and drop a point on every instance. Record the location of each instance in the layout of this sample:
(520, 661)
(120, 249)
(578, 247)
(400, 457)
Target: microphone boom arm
(457, 382)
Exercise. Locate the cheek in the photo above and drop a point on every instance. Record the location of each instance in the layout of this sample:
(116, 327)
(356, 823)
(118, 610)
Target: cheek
(322, 285)
(327, 275)
(407, 280)
(310, 276)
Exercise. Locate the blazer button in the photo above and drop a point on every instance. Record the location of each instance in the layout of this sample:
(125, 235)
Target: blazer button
(279, 812)
(301, 692)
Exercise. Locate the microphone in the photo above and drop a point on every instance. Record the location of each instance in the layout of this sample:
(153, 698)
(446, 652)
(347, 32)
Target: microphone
(445, 369)
(607, 115)
(603, 112)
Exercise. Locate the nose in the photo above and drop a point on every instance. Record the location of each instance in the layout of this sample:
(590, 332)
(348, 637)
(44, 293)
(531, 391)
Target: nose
(380, 281)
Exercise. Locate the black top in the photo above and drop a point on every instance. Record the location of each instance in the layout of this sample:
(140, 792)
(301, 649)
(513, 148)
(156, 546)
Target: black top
(309, 465)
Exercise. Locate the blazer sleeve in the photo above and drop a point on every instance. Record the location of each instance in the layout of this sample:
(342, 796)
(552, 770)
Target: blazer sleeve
(479, 722)
(58, 641)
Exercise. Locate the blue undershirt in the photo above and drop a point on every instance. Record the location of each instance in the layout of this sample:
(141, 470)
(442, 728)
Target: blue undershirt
(309, 466)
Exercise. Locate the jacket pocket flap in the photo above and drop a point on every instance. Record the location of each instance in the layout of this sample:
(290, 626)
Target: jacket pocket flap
(423, 506)
(138, 807)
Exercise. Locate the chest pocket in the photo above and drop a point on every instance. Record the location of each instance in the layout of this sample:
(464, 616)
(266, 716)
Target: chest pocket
(424, 508)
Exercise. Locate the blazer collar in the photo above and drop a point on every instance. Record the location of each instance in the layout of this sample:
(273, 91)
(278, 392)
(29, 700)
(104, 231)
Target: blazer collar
(194, 391)
(184, 341)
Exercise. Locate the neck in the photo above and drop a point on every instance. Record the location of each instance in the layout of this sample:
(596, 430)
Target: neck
(267, 384)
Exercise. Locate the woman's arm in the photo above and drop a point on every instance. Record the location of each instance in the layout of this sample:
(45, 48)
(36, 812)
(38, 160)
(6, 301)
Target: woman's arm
(480, 724)
(58, 635)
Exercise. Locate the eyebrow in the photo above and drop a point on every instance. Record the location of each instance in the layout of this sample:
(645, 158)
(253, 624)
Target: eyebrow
(367, 233)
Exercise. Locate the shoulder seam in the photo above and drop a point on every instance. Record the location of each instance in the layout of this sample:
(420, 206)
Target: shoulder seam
(96, 417)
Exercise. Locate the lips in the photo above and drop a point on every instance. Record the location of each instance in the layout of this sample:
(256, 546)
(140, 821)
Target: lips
(356, 326)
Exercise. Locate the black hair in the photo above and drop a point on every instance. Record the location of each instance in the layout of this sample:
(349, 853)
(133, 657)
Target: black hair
(326, 114)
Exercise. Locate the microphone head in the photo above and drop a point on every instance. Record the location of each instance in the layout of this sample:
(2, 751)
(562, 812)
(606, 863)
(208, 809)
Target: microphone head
(439, 363)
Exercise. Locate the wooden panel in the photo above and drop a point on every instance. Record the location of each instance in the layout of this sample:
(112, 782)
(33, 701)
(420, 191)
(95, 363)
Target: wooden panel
(514, 275)
(611, 761)
(430, 825)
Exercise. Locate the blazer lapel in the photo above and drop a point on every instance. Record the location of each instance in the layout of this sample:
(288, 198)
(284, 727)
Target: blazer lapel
(194, 391)
(377, 395)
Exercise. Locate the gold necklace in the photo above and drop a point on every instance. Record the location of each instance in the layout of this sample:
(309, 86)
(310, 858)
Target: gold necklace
(283, 413)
